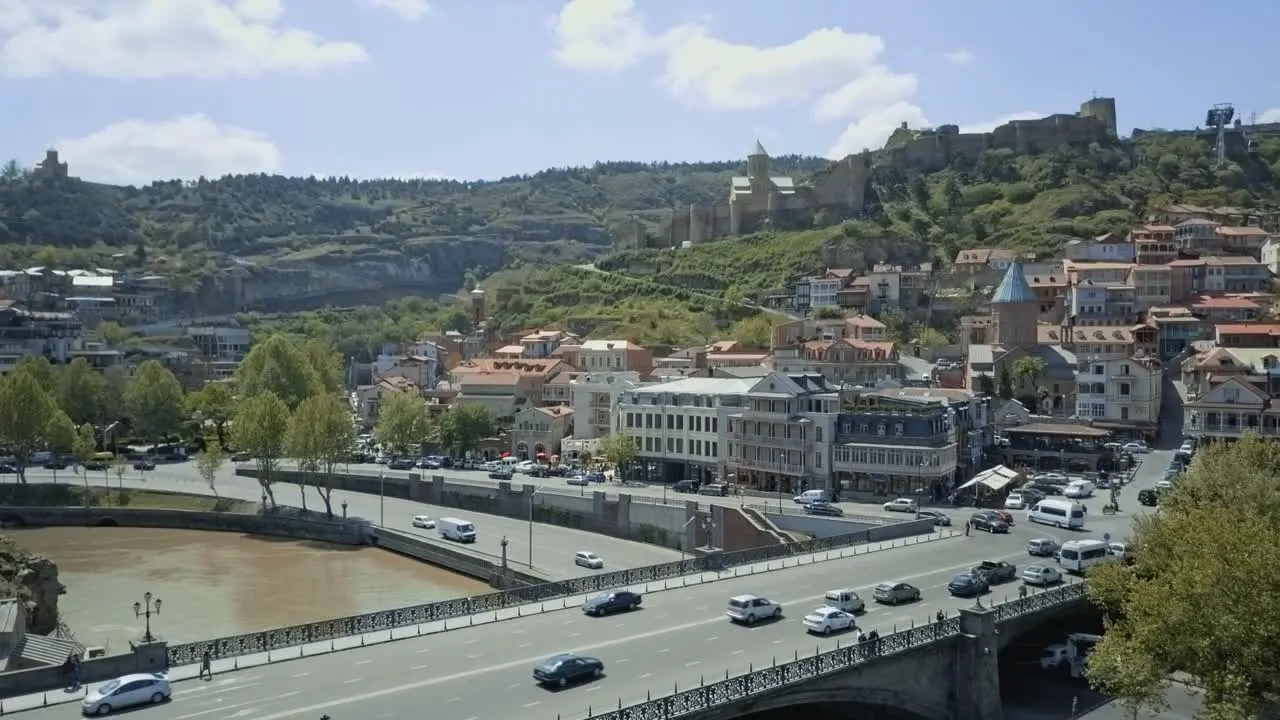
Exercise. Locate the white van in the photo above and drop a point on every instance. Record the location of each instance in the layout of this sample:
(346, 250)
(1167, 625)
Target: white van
(1076, 556)
(1078, 489)
(1058, 513)
(463, 531)
(811, 496)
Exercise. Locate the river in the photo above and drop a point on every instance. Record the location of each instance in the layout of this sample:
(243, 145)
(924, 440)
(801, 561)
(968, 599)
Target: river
(214, 584)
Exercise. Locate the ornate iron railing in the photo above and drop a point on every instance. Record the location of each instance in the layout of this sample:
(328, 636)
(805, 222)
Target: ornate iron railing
(267, 640)
(772, 678)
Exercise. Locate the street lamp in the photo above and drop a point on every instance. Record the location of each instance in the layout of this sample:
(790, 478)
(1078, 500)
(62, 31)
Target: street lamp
(535, 492)
(382, 498)
(145, 609)
(683, 528)
(504, 552)
(344, 508)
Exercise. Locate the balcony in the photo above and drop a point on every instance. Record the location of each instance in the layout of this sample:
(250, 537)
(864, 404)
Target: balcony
(768, 466)
(795, 442)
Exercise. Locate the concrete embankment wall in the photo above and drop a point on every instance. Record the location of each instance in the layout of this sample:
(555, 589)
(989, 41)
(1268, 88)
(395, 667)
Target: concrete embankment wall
(468, 562)
(143, 657)
(821, 527)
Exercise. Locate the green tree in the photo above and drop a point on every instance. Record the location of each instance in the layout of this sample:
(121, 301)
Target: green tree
(403, 422)
(463, 426)
(620, 450)
(155, 402)
(1028, 370)
(38, 367)
(214, 404)
(112, 334)
(279, 366)
(1004, 384)
(60, 433)
(26, 412)
(84, 445)
(986, 386)
(259, 429)
(326, 363)
(931, 338)
(82, 392)
(209, 462)
(1200, 597)
(11, 171)
(321, 437)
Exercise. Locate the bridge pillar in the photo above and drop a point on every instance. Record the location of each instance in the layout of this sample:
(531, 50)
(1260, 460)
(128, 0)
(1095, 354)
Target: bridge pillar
(977, 670)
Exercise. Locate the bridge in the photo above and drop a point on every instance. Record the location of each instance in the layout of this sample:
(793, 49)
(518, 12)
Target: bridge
(677, 657)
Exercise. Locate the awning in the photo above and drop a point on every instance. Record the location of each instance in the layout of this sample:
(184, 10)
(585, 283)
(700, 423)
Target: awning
(997, 478)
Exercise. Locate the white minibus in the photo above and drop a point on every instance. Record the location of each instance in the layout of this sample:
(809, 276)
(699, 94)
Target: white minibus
(1076, 556)
(1058, 513)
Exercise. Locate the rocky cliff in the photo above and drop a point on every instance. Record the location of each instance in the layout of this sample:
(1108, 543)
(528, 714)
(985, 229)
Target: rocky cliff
(33, 579)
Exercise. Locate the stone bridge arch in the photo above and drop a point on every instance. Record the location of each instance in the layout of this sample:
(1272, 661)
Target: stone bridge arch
(1079, 616)
(872, 703)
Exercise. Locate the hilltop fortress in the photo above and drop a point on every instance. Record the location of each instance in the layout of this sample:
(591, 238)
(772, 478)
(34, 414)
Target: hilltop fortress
(760, 200)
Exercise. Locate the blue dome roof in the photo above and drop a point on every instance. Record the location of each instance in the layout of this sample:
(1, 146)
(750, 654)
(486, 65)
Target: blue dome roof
(1014, 288)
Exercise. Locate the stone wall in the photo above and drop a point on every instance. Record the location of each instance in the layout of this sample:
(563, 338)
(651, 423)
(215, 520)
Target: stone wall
(473, 563)
(33, 580)
(145, 657)
(821, 527)
(341, 532)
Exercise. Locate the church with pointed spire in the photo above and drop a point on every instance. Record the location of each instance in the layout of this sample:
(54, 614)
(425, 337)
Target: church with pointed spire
(1015, 334)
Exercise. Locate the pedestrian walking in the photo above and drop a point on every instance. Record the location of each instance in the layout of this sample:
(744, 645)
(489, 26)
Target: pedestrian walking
(75, 671)
(966, 528)
(206, 665)
(68, 672)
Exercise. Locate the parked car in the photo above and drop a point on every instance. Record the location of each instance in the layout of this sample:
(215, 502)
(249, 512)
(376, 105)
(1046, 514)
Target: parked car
(826, 620)
(685, 486)
(989, 521)
(823, 508)
(400, 464)
(1052, 478)
(424, 522)
(1015, 501)
(968, 585)
(893, 593)
(126, 692)
(1042, 547)
(241, 457)
(1135, 448)
(55, 464)
(617, 601)
(8, 470)
(588, 559)
(501, 474)
(717, 489)
(750, 609)
(902, 505)
(577, 480)
(145, 464)
(1041, 575)
(560, 670)
(939, 519)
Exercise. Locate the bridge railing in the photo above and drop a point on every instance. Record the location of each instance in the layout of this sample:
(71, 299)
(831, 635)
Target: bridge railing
(327, 630)
(707, 696)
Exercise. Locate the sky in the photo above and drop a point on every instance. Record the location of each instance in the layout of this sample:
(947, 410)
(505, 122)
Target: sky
(130, 91)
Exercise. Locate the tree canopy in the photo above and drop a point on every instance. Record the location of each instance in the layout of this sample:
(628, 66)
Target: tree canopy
(463, 426)
(320, 437)
(155, 401)
(1202, 596)
(260, 429)
(403, 423)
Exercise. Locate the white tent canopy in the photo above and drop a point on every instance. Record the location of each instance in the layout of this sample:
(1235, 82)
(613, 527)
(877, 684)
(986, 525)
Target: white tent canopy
(997, 478)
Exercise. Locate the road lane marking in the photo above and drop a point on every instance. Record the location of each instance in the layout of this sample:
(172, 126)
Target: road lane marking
(363, 662)
(646, 675)
(220, 708)
(691, 663)
(713, 638)
(300, 675)
(419, 667)
(622, 660)
(535, 703)
(477, 656)
(525, 645)
(736, 652)
(473, 641)
(291, 693)
(351, 681)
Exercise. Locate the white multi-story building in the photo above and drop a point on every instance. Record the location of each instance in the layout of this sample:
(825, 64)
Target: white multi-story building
(1120, 393)
(594, 399)
(679, 426)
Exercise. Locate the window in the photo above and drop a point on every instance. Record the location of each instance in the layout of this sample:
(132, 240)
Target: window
(1124, 389)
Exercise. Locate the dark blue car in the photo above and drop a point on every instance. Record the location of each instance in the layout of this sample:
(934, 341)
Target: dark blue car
(967, 585)
(560, 670)
(618, 601)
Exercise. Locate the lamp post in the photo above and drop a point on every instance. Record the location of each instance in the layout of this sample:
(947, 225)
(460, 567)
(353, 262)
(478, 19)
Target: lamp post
(382, 498)
(535, 492)
(504, 552)
(344, 508)
(683, 528)
(145, 609)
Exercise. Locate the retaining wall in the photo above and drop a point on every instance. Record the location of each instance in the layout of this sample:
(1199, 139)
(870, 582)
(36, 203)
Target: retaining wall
(819, 526)
(472, 563)
(144, 657)
(340, 532)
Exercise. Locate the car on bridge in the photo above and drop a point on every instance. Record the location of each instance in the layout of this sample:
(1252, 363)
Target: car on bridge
(996, 572)
(750, 609)
(823, 508)
(896, 592)
(617, 601)
(588, 560)
(424, 522)
(1041, 575)
(968, 584)
(560, 670)
(826, 620)
(126, 692)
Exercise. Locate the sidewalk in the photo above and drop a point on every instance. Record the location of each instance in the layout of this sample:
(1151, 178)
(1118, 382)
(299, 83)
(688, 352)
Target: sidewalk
(189, 672)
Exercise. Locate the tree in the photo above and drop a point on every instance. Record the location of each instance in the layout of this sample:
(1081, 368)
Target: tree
(214, 404)
(155, 401)
(259, 429)
(931, 338)
(326, 363)
(61, 436)
(209, 462)
(321, 437)
(1004, 385)
(82, 392)
(620, 450)
(26, 411)
(11, 171)
(278, 366)
(986, 386)
(463, 426)
(84, 445)
(1200, 596)
(403, 422)
(1028, 371)
(39, 368)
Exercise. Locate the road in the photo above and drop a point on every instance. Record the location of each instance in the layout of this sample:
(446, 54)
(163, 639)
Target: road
(679, 638)
(552, 546)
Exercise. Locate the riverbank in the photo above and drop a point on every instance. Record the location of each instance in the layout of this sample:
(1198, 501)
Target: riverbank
(68, 495)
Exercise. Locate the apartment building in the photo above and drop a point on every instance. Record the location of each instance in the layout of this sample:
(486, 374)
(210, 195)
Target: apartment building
(1121, 394)
(537, 432)
(780, 437)
(1232, 391)
(594, 398)
(55, 335)
(221, 343)
(1190, 279)
(504, 386)
(1104, 248)
(856, 362)
(678, 426)
(1154, 244)
(609, 356)
(896, 444)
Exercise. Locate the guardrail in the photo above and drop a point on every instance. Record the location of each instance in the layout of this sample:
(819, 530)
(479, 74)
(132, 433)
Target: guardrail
(268, 640)
(803, 669)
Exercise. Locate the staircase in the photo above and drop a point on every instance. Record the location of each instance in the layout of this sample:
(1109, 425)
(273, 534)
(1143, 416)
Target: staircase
(766, 527)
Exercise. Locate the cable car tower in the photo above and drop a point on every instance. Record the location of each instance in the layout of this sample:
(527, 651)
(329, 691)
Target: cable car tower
(1218, 118)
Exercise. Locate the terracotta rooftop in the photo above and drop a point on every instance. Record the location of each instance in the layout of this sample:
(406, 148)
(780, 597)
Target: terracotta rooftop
(1225, 303)
(1249, 329)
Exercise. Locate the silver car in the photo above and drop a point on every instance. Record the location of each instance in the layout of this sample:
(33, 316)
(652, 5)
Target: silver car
(126, 692)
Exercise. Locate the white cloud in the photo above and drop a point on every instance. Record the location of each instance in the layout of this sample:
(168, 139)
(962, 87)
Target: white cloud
(989, 125)
(136, 152)
(150, 39)
(1270, 116)
(600, 35)
(959, 56)
(841, 74)
(409, 10)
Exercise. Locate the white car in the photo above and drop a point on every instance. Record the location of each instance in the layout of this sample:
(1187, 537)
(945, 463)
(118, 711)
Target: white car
(525, 467)
(424, 522)
(125, 692)
(1014, 502)
(902, 505)
(588, 560)
(1055, 478)
(1164, 485)
(1136, 448)
(827, 620)
(1041, 575)
(749, 608)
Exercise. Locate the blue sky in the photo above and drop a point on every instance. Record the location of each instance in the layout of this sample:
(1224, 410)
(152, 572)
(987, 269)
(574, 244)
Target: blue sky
(133, 90)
